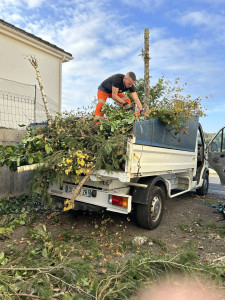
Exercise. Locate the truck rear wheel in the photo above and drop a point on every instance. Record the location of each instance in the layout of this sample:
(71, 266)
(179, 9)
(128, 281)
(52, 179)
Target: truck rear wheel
(149, 215)
(203, 190)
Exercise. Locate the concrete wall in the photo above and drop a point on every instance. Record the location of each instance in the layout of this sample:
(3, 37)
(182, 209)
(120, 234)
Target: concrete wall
(12, 183)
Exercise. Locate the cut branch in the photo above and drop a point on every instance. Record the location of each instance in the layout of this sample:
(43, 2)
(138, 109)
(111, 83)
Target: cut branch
(34, 63)
(21, 295)
(81, 183)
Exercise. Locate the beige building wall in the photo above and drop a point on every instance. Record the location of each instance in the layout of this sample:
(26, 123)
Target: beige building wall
(20, 101)
(15, 66)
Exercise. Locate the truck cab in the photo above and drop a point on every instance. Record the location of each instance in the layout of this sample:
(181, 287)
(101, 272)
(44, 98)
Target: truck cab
(216, 154)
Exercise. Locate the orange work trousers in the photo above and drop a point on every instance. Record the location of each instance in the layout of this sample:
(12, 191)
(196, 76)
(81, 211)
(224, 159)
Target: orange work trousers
(102, 97)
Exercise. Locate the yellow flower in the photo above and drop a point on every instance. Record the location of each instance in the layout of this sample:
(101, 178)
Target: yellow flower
(67, 171)
(79, 171)
(80, 162)
(79, 154)
(68, 160)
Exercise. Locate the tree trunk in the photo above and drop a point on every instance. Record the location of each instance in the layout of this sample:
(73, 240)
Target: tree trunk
(146, 73)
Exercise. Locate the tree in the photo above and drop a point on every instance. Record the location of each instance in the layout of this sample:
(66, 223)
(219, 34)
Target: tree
(169, 104)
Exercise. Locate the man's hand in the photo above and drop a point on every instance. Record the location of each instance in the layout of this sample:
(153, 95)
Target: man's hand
(126, 106)
(142, 112)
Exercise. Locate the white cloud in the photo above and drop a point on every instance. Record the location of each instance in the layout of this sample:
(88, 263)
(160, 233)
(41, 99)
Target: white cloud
(210, 24)
(145, 4)
(195, 18)
(199, 18)
(91, 35)
(15, 18)
(101, 43)
(97, 39)
(175, 53)
(33, 3)
(20, 3)
(9, 2)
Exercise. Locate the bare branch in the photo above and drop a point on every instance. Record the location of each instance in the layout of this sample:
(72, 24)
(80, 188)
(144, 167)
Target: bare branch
(34, 63)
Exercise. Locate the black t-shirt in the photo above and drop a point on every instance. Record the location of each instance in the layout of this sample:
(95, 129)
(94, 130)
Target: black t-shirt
(116, 81)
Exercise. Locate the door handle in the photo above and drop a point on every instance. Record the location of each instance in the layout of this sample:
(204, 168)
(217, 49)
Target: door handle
(222, 155)
(216, 160)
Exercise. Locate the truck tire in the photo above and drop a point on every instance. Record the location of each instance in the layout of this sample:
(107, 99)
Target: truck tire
(203, 190)
(149, 215)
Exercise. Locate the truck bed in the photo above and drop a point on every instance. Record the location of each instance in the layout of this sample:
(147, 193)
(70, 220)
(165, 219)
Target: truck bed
(150, 161)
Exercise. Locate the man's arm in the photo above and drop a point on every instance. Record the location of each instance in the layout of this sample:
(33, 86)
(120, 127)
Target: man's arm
(115, 95)
(137, 101)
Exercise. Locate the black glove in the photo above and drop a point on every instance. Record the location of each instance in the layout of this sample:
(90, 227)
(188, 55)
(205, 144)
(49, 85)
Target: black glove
(126, 106)
(142, 112)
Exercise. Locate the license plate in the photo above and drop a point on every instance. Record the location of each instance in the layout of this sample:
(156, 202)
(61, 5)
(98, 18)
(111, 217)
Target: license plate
(83, 192)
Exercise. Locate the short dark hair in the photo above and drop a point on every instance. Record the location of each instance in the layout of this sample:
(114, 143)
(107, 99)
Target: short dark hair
(132, 75)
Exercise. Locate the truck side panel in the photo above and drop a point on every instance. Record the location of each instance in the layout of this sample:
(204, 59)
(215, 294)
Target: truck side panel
(147, 161)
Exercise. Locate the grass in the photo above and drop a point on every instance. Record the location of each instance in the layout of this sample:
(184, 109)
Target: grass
(201, 226)
(219, 230)
(98, 264)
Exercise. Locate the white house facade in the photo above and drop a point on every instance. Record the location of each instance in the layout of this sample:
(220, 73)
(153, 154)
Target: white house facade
(15, 46)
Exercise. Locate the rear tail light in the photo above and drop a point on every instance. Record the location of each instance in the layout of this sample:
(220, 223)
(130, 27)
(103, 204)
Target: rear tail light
(118, 200)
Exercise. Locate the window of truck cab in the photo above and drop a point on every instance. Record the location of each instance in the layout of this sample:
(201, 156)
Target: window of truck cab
(218, 143)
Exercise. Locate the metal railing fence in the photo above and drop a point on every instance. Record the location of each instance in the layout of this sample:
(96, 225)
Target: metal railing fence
(21, 104)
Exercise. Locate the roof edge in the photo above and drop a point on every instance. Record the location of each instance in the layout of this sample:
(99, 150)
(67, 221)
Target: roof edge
(32, 36)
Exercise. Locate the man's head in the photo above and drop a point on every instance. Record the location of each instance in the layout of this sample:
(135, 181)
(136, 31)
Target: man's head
(180, 288)
(129, 79)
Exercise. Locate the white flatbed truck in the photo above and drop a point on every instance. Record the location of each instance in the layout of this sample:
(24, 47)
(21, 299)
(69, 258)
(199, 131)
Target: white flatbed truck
(155, 170)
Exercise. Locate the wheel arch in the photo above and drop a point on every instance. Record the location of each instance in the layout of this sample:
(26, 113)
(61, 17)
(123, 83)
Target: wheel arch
(206, 172)
(203, 189)
(139, 194)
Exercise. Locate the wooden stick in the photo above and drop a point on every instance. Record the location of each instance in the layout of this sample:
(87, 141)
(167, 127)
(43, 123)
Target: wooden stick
(28, 167)
(34, 63)
(21, 295)
(220, 258)
(146, 75)
(81, 183)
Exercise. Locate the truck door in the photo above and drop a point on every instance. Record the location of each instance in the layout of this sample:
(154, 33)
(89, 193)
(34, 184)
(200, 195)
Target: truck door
(216, 154)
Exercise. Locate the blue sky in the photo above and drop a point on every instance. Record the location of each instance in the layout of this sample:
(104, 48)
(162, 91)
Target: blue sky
(187, 40)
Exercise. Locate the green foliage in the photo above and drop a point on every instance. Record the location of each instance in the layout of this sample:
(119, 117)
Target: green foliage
(156, 91)
(99, 263)
(14, 213)
(208, 137)
(28, 151)
(3, 259)
(169, 104)
(72, 143)
(8, 223)
(14, 205)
